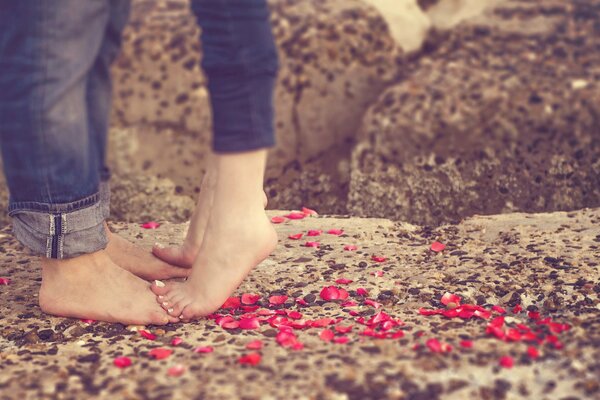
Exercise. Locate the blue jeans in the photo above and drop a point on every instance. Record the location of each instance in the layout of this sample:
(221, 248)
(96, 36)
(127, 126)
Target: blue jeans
(55, 98)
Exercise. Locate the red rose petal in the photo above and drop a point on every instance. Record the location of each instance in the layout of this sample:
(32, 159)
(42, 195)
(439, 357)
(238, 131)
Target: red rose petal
(533, 352)
(329, 293)
(434, 345)
(326, 335)
(499, 309)
(448, 298)
(88, 321)
(312, 244)
(297, 236)
(373, 303)
(122, 362)
(467, 344)
(362, 292)
(176, 341)
(308, 211)
(350, 247)
(277, 220)
(295, 215)
(176, 370)
(4, 281)
(336, 232)
(150, 225)
(250, 359)
(231, 302)
(378, 258)
(535, 315)
(378, 274)
(343, 329)
(255, 345)
(343, 281)
(203, 349)
(314, 232)
(250, 298)
(517, 309)
(146, 334)
(249, 323)
(437, 246)
(301, 301)
(160, 353)
(506, 362)
(277, 300)
(319, 323)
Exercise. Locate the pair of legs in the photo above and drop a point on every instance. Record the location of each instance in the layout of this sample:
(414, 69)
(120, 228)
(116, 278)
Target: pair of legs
(55, 95)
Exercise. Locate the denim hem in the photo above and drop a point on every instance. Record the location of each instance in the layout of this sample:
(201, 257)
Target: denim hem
(67, 231)
(239, 146)
(33, 206)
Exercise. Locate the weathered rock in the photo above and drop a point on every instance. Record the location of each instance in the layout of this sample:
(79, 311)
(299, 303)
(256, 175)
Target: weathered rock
(336, 57)
(503, 116)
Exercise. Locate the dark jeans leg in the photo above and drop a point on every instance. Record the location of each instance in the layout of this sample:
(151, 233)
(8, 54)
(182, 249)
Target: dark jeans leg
(51, 155)
(240, 61)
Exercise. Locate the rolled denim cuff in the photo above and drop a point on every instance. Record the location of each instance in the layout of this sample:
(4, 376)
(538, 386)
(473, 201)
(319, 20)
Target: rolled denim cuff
(61, 230)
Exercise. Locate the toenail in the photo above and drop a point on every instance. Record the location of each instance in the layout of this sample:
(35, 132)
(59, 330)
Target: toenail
(165, 303)
(170, 310)
(159, 283)
(160, 297)
(159, 245)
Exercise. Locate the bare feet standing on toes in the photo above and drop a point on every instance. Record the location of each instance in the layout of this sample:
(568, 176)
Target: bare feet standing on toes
(238, 236)
(140, 262)
(92, 286)
(185, 254)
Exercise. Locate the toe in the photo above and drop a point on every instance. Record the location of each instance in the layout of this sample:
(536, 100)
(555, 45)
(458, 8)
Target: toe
(160, 288)
(191, 312)
(159, 318)
(175, 309)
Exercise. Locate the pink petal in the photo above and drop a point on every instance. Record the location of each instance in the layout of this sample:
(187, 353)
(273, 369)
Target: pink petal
(506, 362)
(250, 298)
(250, 359)
(160, 353)
(312, 244)
(4, 281)
(231, 302)
(336, 232)
(517, 309)
(378, 274)
(122, 362)
(150, 225)
(322, 322)
(499, 310)
(308, 211)
(343, 281)
(343, 329)
(301, 301)
(176, 370)
(378, 258)
(434, 345)
(255, 345)
(249, 323)
(297, 236)
(88, 321)
(176, 341)
(448, 298)
(314, 233)
(332, 293)
(203, 349)
(373, 303)
(277, 300)
(326, 335)
(467, 344)
(362, 292)
(350, 247)
(277, 220)
(341, 339)
(533, 352)
(295, 215)
(437, 246)
(146, 334)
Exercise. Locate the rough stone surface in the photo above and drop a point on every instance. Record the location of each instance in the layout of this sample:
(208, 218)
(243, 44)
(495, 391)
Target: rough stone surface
(501, 117)
(546, 262)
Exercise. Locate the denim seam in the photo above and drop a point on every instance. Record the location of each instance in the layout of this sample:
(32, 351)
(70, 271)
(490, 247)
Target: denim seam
(46, 208)
(43, 138)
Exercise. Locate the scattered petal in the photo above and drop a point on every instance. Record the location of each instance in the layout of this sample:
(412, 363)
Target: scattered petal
(326, 335)
(308, 211)
(437, 247)
(277, 300)
(314, 232)
(506, 362)
(232, 302)
(150, 225)
(255, 345)
(147, 335)
(160, 353)
(176, 370)
(250, 359)
(277, 220)
(329, 293)
(499, 310)
(249, 323)
(448, 298)
(378, 274)
(88, 321)
(533, 352)
(467, 344)
(343, 281)
(312, 244)
(373, 303)
(378, 258)
(122, 362)
(4, 281)
(295, 215)
(297, 236)
(176, 341)
(336, 232)
(203, 349)
(341, 339)
(250, 298)
(362, 292)
(350, 247)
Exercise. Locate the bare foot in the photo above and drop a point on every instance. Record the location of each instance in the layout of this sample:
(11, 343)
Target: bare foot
(92, 286)
(185, 254)
(140, 262)
(233, 245)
